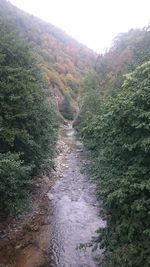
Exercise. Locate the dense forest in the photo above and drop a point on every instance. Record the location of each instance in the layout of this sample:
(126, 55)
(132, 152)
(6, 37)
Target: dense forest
(28, 124)
(61, 59)
(114, 122)
(41, 68)
(43, 74)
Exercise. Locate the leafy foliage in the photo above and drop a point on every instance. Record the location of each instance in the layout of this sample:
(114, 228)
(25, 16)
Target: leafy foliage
(61, 59)
(127, 52)
(28, 125)
(39, 64)
(116, 128)
(66, 109)
(14, 184)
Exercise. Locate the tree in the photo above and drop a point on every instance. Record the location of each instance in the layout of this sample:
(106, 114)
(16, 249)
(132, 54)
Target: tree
(66, 109)
(28, 125)
(119, 136)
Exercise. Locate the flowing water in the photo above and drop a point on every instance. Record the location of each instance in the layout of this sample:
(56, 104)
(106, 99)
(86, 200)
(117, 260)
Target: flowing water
(73, 216)
(76, 210)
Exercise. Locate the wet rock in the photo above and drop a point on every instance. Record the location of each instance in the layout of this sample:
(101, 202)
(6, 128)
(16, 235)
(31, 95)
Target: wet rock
(2, 236)
(37, 185)
(42, 212)
(35, 228)
(18, 246)
(32, 227)
(46, 222)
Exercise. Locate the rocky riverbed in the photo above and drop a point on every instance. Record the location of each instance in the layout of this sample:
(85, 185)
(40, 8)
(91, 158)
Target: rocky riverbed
(66, 215)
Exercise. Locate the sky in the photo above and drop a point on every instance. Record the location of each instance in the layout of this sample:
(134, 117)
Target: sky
(92, 22)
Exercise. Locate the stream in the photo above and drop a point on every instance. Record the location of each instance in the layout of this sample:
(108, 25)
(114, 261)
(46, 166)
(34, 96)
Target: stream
(76, 210)
(73, 214)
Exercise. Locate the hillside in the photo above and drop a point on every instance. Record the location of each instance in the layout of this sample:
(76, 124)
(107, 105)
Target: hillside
(44, 72)
(114, 122)
(61, 59)
(129, 50)
(41, 70)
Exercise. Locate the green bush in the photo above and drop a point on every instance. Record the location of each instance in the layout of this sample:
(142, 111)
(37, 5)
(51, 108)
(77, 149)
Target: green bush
(119, 138)
(14, 183)
(28, 125)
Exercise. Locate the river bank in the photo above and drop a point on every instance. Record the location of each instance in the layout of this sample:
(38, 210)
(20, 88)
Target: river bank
(66, 214)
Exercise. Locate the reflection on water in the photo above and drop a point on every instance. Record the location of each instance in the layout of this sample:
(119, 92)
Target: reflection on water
(75, 218)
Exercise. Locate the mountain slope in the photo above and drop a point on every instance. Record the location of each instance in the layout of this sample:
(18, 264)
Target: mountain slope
(61, 59)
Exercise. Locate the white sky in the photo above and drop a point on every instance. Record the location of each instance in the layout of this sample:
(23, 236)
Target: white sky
(92, 22)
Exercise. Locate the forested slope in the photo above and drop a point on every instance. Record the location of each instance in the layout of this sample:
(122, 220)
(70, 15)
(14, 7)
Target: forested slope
(41, 69)
(114, 122)
(61, 59)
(28, 125)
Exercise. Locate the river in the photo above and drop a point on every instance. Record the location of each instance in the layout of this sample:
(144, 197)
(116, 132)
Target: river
(76, 210)
(73, 214)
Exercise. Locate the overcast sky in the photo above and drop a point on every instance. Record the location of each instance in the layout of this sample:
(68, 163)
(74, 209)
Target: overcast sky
(92, 22)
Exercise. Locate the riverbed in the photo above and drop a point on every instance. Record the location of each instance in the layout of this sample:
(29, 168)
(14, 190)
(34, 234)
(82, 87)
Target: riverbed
(67, 216)
(76, 214)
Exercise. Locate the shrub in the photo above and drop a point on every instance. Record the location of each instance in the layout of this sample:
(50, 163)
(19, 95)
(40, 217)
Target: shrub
(14, 183)
(119, 137)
